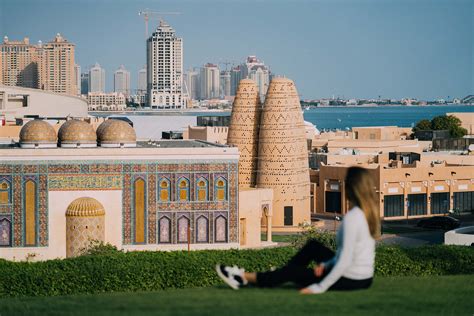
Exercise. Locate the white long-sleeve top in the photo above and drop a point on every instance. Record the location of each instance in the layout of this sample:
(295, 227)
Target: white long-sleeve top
(355, 253)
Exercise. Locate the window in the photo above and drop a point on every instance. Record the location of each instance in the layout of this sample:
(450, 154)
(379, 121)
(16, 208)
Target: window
(183, 189)
(221, 189)
(417, 204)
(5, 192)
(439, 203)
(164, 190)
(202, 190)
(139, 205)
(333, 202)
(393, 205)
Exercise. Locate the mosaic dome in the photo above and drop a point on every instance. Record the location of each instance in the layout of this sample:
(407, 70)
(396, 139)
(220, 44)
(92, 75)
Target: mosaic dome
(37, 132)
(76, 133)
(116, 133)
(85, 207)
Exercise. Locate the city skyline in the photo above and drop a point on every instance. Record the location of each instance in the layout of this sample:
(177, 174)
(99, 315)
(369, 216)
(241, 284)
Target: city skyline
(421, 49)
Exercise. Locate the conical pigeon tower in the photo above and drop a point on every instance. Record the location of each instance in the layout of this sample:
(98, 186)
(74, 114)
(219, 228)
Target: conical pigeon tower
(283, 155)
(243, 130)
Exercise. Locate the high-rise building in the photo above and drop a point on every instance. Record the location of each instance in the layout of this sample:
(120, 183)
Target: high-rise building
(235, 77)
(122, 81)
(210, 82)
(191, 84)
(141, 87)
(57, 71)
(225, 84)
(165, 69)
(77, 76)
(256, 70)
(97, 79)
(19, 63)
(49, 67)
(85, 83)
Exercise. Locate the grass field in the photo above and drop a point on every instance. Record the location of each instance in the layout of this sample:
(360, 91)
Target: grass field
(444, 295)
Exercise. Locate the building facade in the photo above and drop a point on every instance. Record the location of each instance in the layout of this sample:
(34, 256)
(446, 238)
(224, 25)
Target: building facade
(84, 83)
(225, 84)
(99, 101)
(159, 196)
(122, 81)
(141, 87)
(165, 69)
(209, 82)
(19, 63)
(97, 79)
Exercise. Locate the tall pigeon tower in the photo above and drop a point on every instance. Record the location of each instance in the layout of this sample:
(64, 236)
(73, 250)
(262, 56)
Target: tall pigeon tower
(243, 130)
(283, 155)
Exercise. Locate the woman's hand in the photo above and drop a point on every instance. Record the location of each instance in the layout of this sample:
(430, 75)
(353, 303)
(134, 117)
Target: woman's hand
(319, 270)
(306, 291)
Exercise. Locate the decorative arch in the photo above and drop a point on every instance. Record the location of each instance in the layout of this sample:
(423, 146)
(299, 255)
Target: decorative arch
(164, 230)
(182, 189)
(5, 191)
(164, 189)
(183, 227)
(220, 188)
(30, 210)
(220, 234)
(202, 229)
(5, 232)
(202, 189)
(139, 204)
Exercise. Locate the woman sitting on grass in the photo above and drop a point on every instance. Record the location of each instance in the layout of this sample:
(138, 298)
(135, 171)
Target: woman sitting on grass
(350, 268)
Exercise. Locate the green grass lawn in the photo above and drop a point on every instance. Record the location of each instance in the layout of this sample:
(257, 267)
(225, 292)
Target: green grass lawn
(280, 237)
(444, 295)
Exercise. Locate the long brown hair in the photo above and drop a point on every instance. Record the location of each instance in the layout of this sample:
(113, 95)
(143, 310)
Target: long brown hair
(360, 191)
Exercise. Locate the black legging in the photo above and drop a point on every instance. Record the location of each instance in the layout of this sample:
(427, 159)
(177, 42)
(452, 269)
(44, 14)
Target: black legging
(297, 271)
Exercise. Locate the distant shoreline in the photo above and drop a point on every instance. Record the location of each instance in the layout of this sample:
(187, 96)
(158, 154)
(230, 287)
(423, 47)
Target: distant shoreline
(203, 111)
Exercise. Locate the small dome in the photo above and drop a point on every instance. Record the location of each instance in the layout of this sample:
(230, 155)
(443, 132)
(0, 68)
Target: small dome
(116, 133)
(85, 207)
(76, 133)
(37, 133)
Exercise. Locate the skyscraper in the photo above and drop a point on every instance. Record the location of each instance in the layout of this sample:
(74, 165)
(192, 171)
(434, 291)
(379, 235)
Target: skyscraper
(84, 83)
(57, 71)
(165, 69)
(225, 84)
(77, 77)
(235, 77)
(18, 63)
(97, 79)
(191, 82)
(122, 81)
(256, 70)
(141, 87)
(210, 82)
(49, 67)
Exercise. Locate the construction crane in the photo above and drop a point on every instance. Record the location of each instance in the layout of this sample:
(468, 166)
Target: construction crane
(227, 63)
(149, 14)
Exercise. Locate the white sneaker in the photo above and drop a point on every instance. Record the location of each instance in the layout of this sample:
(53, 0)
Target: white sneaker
(233, 276)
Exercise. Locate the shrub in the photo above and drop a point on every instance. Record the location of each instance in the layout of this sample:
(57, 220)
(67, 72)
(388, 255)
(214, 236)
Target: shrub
(328, 239)
(112, 271)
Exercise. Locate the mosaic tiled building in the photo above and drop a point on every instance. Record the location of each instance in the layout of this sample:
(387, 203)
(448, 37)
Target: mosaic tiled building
(157, 195)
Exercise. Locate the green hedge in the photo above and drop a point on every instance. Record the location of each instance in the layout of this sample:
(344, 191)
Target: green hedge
(112, 271)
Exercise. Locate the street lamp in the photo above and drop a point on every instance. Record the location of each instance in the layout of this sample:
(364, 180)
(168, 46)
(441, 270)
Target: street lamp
(337, 218)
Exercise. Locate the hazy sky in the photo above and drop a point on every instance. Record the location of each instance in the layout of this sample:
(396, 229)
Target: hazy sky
(350, 48)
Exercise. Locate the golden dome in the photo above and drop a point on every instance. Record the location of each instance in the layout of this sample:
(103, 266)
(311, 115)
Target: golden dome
(116, 133)
(37, 132)
(85, 207)
(77, 132)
